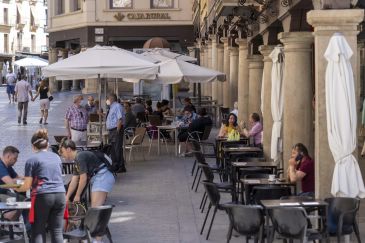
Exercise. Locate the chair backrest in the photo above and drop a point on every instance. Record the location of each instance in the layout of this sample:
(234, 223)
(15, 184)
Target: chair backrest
(93, 117)
(245, 219)
(212, 192)
(58, 138)
(97, 219)
(206, 133)
(141, 116)
(290, 222)
(67, 168)
(299, 198)
(154, 120)
(209, 176)
(346, 206)
(138, 135)
(256, 176)
(269, 193)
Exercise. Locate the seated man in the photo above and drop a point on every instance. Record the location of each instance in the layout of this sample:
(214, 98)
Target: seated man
(301, 169)
(9, 176)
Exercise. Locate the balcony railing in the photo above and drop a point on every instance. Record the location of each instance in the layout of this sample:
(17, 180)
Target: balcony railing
(19, 26)
(5, 27)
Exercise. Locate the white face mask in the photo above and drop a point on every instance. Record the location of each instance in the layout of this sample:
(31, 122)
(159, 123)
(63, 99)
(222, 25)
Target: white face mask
(107, 102)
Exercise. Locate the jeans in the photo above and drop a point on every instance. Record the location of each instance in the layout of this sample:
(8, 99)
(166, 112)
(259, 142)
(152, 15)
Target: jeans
(22, 109)
(49, 209)
(116, 142)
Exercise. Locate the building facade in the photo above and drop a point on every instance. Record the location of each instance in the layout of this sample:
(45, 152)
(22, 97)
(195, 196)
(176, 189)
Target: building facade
(22, 29)
(76, 24)
(243, 33)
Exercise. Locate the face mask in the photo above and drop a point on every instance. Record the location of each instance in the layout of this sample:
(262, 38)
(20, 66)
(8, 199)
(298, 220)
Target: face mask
(107, 102)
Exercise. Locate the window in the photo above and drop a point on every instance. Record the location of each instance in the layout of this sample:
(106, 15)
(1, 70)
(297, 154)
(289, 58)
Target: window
(46, 10)
(121, 3)
(19, 41)
(32, 22)
(60, 7)
(6, 16)
(75, 5)
(18, 16)
(33, 40)
(6, 43)
(162, 3)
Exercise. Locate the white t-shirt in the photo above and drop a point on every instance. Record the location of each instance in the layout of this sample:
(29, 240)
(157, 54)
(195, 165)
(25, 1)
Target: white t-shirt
(10, 79)
(22, 88)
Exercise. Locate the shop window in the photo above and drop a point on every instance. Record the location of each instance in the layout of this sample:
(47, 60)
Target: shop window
(162, 3)
(121, 3)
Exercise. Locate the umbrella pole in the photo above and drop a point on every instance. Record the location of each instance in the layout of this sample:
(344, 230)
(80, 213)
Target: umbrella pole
(100, 116)
(174, 98)
(199, 94)
(115, 86)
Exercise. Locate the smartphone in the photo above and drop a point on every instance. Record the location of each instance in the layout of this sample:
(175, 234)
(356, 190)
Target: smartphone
(299, 157)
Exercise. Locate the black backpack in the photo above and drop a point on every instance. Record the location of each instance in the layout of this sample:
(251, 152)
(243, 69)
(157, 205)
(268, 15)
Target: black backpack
(104, 158)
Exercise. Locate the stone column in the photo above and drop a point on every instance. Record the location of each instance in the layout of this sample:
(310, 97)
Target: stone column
(325, 23)
(220, 67)
(298, 91)
(255, 68)
(233, 74)
(226, 92)
(242, 80)
(52, 58)
(75, 85)
(214, 66)
(266, 112)
(208, 64)
(202, 63)
(65, 83)
(191, 50)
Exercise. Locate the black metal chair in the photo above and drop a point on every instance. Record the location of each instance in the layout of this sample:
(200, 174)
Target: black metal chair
(214, 201)
(342, 217)
(268, 193)
(292, 223)
(94, 224)
(247, 220)
(225, 187)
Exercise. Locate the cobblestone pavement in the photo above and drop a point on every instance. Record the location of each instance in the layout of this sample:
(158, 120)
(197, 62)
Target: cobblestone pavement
(153, 200)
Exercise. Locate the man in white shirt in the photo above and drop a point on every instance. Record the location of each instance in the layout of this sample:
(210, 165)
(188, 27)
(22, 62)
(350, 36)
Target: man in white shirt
(10, 85)
(22, 89)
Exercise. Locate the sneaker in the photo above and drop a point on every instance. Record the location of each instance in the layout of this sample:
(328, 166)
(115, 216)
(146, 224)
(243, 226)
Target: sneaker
(121, 170)
(18, 120)
(25, 123)
(45, 123)
(40, 121)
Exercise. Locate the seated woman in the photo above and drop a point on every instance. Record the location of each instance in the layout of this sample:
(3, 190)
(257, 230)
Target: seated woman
(187, 103)
(256, 130)
(165, 108)
(130, 122)
(149, 109)
(185, 122)
(158, 111)
(229, 126)
(301, 169)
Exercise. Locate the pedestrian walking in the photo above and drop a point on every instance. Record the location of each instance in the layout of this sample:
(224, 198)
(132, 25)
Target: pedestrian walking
(22, 92)
(114, 123)
(10, 85)
(76, 120)
(43, 93)
(43, 174)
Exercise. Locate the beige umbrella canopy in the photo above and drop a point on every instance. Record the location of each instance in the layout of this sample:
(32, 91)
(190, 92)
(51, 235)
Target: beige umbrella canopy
(156, 42)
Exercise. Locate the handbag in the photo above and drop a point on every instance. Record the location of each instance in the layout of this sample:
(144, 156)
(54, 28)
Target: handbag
(50, 98)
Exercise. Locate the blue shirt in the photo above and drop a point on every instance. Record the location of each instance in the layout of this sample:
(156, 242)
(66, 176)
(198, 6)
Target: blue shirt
(6, 171)
(116, 112)
(46, 170)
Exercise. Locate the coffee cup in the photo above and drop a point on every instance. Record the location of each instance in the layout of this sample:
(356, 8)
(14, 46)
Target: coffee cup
(11, 200)
(272, 177)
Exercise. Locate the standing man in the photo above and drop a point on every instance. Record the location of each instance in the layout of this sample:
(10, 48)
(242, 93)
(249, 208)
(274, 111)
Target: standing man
(76, 120)
(114, 123)
(10, 85)
(22, 89)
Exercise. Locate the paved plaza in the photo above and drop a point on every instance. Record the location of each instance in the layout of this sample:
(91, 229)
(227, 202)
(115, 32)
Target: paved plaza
(153, 200)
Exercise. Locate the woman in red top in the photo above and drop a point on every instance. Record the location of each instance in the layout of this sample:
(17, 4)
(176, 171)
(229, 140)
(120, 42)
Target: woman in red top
(301, 168)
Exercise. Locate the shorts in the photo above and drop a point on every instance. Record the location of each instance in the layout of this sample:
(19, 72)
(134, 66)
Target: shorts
(103, 181)
(10, 89)
(44, 103)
